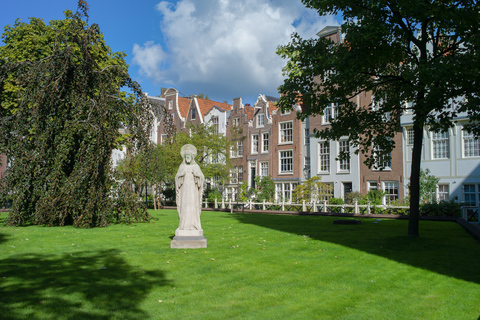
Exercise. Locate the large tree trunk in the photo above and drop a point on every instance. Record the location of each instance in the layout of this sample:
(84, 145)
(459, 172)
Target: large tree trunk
(414, 216)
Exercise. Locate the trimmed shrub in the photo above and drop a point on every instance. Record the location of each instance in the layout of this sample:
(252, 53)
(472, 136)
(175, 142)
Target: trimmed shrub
(441, 209)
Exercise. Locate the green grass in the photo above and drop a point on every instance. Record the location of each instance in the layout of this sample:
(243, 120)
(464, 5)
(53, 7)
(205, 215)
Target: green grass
(255, 267)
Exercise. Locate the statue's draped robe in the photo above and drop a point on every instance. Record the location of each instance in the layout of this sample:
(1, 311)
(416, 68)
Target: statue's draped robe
(189, 190)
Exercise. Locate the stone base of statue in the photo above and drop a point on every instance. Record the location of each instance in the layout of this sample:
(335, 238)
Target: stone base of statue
(188, 239)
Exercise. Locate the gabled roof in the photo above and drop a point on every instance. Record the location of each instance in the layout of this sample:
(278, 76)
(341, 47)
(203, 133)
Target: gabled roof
(183, 106)
(328, 31)
(206, 105)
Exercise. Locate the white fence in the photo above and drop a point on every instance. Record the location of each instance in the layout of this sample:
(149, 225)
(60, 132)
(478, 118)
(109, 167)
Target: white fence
(308, 207)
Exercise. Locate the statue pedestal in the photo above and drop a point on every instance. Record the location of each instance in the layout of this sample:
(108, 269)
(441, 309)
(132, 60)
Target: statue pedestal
(188, 239)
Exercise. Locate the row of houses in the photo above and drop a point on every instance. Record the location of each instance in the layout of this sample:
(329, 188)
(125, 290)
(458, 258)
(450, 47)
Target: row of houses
(268, 142)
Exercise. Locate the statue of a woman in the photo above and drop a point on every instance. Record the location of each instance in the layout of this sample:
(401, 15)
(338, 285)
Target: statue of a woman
(189, 191)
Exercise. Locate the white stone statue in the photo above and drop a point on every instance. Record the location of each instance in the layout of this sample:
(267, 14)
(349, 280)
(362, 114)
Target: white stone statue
(189, 190)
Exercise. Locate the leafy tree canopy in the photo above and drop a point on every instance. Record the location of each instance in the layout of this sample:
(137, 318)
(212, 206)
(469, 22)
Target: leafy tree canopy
(415, 55)
(158, 164)
(62, 107)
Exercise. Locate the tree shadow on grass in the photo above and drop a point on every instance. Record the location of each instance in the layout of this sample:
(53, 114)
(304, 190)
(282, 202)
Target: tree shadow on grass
(443, 247)
(84, 285)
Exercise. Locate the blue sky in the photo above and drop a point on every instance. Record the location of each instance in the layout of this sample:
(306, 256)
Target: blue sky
(223, 48)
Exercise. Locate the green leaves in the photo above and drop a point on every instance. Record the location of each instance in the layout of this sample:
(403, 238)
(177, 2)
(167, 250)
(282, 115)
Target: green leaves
(62, 109)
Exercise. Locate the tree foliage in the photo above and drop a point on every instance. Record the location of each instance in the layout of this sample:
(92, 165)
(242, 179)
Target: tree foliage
(158, 165)
(311, 190)
(62, 106)
(265, 188)
(421, 52)
(428, 187)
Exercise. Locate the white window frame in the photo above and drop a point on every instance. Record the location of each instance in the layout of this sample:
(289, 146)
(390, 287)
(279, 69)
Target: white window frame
(443, 192)
(379, 161)
(170, 105)
(240, 148)
(254, 143)
(344, 165)
(264, 169)
(285, 132)
(372, 185)
(440, 145)
(215, 123)
(285, 161)
(388, 187)
(260, 120)
(330, 113)
(235, 122)
(265, 142)
(472, 192)
(409, 136)
(323, 157)
(471, 145)
(163, 138)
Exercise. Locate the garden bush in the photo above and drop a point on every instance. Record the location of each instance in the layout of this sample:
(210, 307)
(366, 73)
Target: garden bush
(441, 209)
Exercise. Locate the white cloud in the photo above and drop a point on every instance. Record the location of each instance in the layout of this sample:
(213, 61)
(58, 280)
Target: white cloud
(225, 48)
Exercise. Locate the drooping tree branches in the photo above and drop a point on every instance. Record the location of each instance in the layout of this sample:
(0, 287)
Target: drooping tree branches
(62, 106)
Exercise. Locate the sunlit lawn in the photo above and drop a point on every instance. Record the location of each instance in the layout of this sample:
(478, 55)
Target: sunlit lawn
(255, 267)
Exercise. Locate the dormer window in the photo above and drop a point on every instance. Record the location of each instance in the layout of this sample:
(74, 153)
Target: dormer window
(260, 120)
(194, 113)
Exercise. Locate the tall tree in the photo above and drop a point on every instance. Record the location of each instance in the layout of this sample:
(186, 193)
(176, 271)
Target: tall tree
(62, 106)
(415, 55)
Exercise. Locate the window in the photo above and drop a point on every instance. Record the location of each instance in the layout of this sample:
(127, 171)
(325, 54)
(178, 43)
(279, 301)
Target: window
(440, 145)
(260, 120)
(377, 104)
(285, 112)
(240, 148)
(324, 156)
(194, 113)
(443, 192)
(170, 105)
(240, 174)
(325, 192)
(286, 132)
(235, 122)
(469, 193)
(255, 143)
(372, 185)
(283, 191)
(237, 151)
(344, 149)
(391, 190)
(286, 161)
(471, 145)
(278, 192)
(234, 175)
(330, 112)
(215, 124)
(382, 161)
(265, 142)
(264, 169)
(307, 136)
(409, 132)
(163, 139)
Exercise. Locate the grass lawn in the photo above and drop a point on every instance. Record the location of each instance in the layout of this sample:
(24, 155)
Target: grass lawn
(255, 267)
